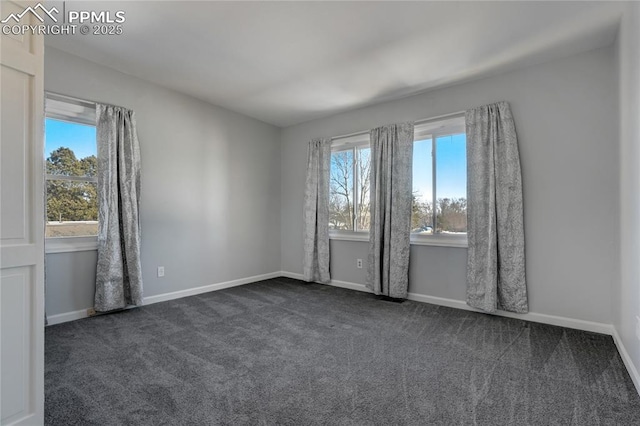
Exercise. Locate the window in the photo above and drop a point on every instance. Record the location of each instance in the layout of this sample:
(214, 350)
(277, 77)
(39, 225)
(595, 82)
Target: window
(439, 211)
(440, 181)
(71, 168)
(349, 184)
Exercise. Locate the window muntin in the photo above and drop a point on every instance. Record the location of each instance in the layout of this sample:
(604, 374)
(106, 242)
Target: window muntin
(439, 185)
(349, 186)
(71, 169)
(440, 180)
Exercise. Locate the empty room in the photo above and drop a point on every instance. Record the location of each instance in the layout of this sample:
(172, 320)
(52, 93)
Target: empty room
(323, 212)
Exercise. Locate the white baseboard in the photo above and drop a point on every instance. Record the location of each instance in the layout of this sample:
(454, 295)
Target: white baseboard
(452, 303)
(595, 327)
(207, 288)
(75, 315)
(334, 283)
(67, 316)
(293, 275)
(626, 358)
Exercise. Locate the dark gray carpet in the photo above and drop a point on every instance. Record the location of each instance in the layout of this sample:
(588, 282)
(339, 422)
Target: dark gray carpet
(286, 352)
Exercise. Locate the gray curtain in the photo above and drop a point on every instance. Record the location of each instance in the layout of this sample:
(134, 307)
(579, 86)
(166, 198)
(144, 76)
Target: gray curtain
(119, 273)
(391, 195)
(316, 212)
(496, 261)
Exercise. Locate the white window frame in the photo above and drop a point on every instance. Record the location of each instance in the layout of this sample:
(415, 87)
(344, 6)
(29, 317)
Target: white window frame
(427, 129)
(434, 129)
(351, 143)
(64, 108)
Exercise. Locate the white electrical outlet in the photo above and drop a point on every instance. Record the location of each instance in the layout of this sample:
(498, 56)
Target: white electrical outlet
(638, 327)
(359, 263)
(160, 271)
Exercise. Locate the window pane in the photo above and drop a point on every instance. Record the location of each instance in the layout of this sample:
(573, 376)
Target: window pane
(451, 183)
(363, 167)
(422, 212)
(341, 214)
(72, 209)
(70, 148)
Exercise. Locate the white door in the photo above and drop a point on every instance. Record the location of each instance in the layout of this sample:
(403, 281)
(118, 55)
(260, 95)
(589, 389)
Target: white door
(21, 224)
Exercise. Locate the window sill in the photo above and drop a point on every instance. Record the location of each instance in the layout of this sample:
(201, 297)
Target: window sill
(416, 240)
(70, 244)
(440, 240)
(349, 236)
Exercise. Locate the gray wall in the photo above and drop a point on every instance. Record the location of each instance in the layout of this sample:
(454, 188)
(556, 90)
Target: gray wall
(70, 279)
(210, 204)
(566, 117)
(435, 271)
(627, 294)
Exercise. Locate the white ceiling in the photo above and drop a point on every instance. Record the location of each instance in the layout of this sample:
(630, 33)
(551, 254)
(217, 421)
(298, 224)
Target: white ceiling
(289, 62)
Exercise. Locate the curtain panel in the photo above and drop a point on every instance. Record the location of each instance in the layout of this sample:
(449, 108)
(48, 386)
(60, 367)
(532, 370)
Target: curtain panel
(391, 196)
(496, 258)
(316, 212)
(119, 272)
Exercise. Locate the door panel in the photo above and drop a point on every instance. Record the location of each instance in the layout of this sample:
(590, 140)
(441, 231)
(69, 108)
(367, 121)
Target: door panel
(15, 328)
(14, 142)
(21, 224)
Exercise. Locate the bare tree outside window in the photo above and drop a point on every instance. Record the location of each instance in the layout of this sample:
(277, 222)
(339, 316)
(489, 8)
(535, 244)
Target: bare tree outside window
(452, 215)
(341, 212)
(349, 189)
(421, 215)
(363, 166)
